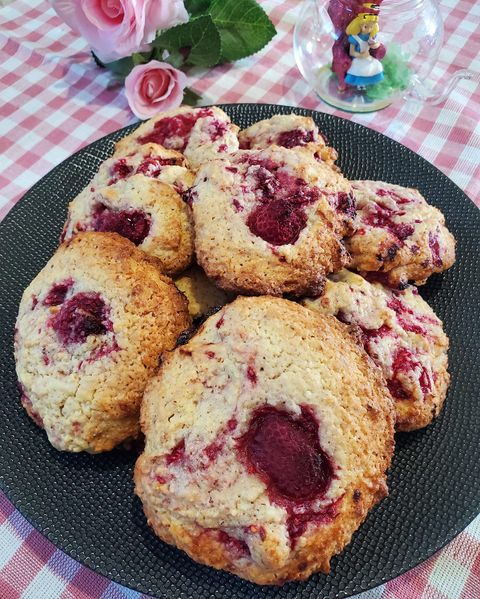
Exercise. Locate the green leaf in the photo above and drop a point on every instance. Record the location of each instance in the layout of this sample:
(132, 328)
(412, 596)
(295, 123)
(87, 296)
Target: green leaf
(157, 54)
(243, 25)
(175, 58)
(121, 67)
(195, 8)
(138, 58)
(190, 96)
(199, 37)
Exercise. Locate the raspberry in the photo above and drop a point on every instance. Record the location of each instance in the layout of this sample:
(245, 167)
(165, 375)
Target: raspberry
(132, 224)
(120, 170)
(82, 315)
(346, 203)
(285, 452)
(57, 293)
(152, 166)
(237, 548)
(434, 245)
(297, 137)
(169, 128)
(380, 216)
(278, 223)
(177, 454)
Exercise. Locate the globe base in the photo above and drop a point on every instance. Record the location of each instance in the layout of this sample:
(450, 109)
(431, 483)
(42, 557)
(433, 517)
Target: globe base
(351, 99)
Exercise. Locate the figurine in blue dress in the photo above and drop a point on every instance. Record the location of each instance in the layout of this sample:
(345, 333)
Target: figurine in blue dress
(365, 69)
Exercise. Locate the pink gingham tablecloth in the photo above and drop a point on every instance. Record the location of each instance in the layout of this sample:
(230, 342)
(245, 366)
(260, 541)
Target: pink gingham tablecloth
(54, 100)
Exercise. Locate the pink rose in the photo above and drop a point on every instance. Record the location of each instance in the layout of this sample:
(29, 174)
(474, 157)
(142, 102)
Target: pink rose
(153, 87)
(118, 28)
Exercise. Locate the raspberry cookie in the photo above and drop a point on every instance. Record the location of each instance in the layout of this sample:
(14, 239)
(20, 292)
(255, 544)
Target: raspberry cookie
(200, 133)
(402, 335)
(149, 213)
(201, 293)
(270, 221)
(288, 131)
(399, 235)
(150, 160)
(90, 330)
(262, 459)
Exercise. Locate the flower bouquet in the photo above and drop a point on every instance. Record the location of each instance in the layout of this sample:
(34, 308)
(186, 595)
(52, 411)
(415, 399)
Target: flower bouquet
(148, 43)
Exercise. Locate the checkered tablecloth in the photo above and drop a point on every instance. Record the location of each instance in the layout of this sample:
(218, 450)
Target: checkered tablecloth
(54, 100)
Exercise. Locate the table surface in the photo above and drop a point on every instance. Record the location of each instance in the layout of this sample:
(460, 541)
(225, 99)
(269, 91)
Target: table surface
(54, 100)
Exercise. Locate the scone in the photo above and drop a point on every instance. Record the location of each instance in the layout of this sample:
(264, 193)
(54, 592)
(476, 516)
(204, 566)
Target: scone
(268, 436)
(200, 133)
(149, 213)
(402, 335)
(269, 222)
(201, 293)
(150, 160)
(399, 235)
(90, 330)
(288, 131)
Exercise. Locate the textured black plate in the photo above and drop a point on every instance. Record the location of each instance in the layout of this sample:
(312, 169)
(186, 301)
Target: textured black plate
(85, 504)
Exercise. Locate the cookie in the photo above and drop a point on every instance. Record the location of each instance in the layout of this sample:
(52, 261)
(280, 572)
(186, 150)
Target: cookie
(150, 160)
(402, 335)
(270, 221)
(200, 133)
(268, 436)
(90, 330)
(288, 131)
(201, 293)
(149, 213)
(398, 234)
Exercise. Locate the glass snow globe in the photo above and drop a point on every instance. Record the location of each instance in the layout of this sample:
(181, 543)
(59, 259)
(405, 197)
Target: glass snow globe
(360, 56)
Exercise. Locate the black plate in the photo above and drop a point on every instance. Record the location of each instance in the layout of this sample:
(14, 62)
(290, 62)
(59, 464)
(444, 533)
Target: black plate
(85, 504)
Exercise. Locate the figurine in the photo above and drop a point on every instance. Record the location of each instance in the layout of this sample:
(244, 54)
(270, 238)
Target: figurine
(365, 69)
(342, 13)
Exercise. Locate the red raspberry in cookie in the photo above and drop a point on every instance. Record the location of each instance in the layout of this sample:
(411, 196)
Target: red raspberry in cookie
(82, 315)
(261, 459)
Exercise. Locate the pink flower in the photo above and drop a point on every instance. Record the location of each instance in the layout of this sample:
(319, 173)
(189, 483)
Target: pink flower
(153, 87)
(118, 28)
